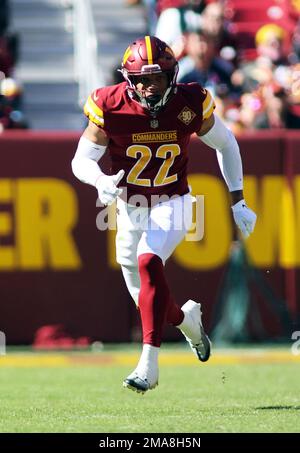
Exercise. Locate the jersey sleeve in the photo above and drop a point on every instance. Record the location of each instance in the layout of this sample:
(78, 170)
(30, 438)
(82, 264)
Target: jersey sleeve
(208, 105)
(92, 109)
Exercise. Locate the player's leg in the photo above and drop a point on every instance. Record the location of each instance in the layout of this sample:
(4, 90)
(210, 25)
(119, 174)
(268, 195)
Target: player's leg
(191, 323)
(128, 236)
(165, 231)
(155, 301)
(169, 224)
(127, 239)
(132, 280)
(156, 305)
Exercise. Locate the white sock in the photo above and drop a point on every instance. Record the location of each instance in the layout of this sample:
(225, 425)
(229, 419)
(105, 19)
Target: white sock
(186, 326)
(148, 363)
(189, 327)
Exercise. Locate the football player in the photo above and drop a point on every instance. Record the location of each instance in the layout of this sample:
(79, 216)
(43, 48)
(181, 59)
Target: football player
(145, 123)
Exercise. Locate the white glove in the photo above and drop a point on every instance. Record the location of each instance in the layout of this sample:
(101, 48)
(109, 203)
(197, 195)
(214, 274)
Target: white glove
(107, 187)
(244, 217)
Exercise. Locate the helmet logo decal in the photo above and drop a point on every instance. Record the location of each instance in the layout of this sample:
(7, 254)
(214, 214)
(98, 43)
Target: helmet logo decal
(127, 54)
(149, 49)
(186, 115)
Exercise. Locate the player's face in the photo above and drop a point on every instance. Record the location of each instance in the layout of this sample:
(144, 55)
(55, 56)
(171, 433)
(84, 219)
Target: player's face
(152, 84)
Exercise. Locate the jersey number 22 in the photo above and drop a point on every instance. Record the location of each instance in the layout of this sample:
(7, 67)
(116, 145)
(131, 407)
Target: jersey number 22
(143, 154)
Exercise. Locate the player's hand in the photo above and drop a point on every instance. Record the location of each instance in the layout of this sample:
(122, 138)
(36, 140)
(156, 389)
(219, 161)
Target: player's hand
(107, 187)
(244, 217)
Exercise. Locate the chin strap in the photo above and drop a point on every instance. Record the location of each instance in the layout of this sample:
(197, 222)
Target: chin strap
(149, 102)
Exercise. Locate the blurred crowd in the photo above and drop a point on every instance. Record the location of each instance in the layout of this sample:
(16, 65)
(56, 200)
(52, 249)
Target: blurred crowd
(11, 116)
(246, 53)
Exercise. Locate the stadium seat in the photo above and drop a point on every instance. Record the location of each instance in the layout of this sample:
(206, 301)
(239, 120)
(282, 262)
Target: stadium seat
(250, 15)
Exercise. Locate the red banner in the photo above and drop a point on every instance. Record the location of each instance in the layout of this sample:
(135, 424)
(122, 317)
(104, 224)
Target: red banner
(57, 268)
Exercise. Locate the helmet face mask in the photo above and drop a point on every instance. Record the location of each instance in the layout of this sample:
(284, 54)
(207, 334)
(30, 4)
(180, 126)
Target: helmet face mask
(145, 57)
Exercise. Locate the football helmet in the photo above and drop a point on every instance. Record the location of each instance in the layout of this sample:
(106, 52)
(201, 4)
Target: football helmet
(146, 56)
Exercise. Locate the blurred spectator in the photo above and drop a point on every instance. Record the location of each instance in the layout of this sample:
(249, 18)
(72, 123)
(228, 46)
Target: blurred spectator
(6, 59)
(11, 116)
(173, 22)
(8, 40)
(201, 64)
(270, 68)
(213, 23)
(293, 110)
(151, 15)
(296, 44)
(4, 16)
(261, 110)
(269, 43)
(12, 90)
(264, 85)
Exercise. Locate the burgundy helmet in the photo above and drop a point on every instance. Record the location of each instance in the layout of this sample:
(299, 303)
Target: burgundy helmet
(149, 55)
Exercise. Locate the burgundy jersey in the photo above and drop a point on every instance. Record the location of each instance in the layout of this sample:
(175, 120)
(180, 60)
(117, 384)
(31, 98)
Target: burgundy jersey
(153, 150)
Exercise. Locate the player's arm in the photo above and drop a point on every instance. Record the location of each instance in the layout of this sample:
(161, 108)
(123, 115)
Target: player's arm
(91, 147)
(95, 134)
(215, 134)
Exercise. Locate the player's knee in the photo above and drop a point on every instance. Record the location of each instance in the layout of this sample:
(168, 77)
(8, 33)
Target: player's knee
(149, 264)
(126, 259)
(125, 251)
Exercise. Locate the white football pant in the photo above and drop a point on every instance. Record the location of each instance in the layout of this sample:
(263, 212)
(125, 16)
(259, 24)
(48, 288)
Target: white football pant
(156, 230)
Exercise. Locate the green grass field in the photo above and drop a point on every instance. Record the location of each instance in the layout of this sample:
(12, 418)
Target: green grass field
(236, 391)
